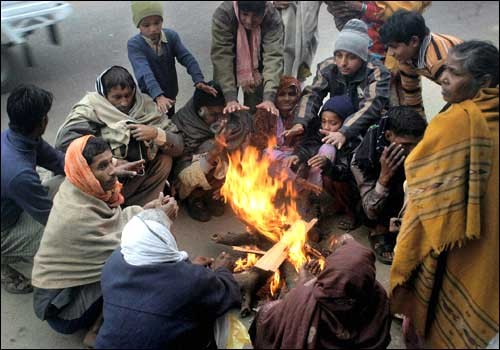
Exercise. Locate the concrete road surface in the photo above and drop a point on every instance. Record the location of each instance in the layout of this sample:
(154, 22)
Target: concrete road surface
(94, 37)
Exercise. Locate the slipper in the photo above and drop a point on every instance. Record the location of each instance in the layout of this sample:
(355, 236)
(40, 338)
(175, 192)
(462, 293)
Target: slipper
(382, 243)
(16, 283)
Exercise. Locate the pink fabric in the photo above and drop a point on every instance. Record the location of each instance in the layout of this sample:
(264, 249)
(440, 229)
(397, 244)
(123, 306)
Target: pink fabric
(329, 152)
(247, 56)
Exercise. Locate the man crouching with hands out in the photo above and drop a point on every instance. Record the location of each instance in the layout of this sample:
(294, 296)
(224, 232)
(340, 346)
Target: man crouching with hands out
(154, 296)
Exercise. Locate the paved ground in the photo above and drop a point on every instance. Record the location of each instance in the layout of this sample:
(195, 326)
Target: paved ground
(92, 40)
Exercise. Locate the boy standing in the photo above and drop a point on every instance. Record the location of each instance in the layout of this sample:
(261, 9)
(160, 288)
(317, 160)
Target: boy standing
(152, 54)
(418, 51)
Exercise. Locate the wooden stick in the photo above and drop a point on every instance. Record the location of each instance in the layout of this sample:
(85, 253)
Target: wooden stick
(249, 250)
(275, 256)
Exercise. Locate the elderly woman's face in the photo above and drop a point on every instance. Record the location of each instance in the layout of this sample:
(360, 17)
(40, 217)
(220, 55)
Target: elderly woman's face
(287, 99)
(457, 84)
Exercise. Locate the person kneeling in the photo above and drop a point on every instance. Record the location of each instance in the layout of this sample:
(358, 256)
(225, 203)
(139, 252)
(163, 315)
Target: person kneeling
(154, 297)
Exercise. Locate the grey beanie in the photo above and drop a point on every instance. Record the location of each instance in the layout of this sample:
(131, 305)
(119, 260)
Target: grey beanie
(354, 39)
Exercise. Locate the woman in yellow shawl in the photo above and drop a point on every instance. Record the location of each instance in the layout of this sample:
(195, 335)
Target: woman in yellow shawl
(444, 277)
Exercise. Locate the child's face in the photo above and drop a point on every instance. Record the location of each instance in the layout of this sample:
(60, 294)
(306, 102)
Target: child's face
(404, 52)
(150, 27)
(330, 121)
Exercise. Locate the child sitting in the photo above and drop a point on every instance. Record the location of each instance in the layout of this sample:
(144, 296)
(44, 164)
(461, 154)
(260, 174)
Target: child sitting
(325, 166)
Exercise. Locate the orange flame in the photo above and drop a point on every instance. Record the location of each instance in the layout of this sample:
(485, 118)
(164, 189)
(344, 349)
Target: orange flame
(252, 194)
(245, 263)
(275, 283)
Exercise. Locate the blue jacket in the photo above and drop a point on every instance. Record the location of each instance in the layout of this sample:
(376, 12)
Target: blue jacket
(156, 75)
(169, 305)
(21, 185)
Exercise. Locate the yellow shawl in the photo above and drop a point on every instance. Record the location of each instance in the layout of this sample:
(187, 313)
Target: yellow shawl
(445, 270)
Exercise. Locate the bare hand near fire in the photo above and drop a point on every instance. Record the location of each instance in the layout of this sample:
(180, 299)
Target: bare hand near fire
(317, 161)
(234, 106)
(336, 242)
(333, 138)
(124, 168)
(290, 160)
(224, 260)
(297, 129)
(206, 88)
(203, 261)
(269, 107)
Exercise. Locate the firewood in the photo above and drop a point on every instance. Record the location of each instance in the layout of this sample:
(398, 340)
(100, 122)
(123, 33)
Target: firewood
(250, 281)
(233, 238)
(275, 256)
(250, 249)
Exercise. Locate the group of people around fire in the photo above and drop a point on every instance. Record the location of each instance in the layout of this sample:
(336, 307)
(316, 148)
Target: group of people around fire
(356, 142)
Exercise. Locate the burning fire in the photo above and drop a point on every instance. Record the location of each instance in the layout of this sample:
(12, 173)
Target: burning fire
(275, 283)
(252, 194)
(245, 263)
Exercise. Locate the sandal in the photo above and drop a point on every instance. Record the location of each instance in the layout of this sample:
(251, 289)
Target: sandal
(383, 244)
(14, 282)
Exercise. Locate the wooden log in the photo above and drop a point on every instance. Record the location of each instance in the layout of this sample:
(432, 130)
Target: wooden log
(233, 238)
(249, 249)
(250, 281)
(275, 256)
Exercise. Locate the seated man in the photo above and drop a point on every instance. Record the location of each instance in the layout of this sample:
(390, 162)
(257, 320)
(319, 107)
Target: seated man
(83, 229)
(353, 72)
(26, 201)
(154, 297)
(200, 172)
(377, 168)
(343, 307)
(417, 52)
(130, 122)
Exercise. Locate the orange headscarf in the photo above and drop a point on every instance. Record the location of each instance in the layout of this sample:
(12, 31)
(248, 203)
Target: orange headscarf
(79, 174)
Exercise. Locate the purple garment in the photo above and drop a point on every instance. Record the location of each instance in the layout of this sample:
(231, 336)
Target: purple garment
(280, 128)
(329, 152)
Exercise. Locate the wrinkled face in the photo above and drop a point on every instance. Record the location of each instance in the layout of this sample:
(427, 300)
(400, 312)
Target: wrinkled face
(211, 114)
(330, 121)
(250, 20)
(150, 27)
(103, 168)
(286, 99)
(457, 84)
(404, 52)
(408, 142)
(347, 63)
(121, 98)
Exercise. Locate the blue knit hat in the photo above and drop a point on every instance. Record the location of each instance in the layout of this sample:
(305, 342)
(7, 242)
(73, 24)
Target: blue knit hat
(340, 105)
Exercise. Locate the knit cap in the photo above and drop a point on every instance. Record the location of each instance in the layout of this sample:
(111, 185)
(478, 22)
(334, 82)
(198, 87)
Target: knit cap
(340, 105)
(142, 9)
(354, 39)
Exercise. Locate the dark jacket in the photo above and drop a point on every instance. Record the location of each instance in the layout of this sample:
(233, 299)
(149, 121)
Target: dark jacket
(339, 170)
(162, 306)
(368, 89)
(22, 189)
(156, 75)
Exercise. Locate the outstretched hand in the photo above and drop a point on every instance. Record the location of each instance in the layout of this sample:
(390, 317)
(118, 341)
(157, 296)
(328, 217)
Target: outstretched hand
(206, 88)
(234, 106)
(269, 107)
(333, 138)
(125, 168)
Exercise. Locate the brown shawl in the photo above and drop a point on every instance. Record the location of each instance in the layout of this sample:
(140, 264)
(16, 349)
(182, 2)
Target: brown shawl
(344, 308)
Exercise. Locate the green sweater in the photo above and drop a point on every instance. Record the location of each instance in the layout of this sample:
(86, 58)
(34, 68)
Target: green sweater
(223, 51)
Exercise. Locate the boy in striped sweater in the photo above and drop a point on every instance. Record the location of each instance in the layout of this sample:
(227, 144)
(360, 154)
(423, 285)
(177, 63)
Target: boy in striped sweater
(418, 51)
